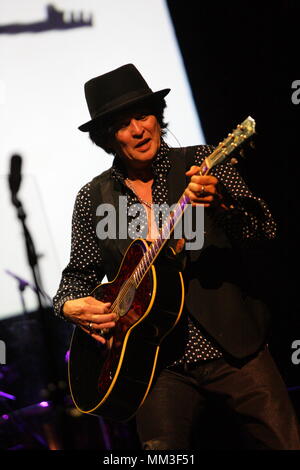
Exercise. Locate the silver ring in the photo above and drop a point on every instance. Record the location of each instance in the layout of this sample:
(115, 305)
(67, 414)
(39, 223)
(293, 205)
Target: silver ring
(103, 331)
(202, 192)
(90, 327)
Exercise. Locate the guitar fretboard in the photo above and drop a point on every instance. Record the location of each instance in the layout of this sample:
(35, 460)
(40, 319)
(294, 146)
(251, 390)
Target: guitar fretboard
(164, 234)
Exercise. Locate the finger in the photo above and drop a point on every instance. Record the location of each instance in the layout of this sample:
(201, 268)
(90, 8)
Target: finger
(84, 319)
(92, 301)
(202, 189)
(192, 196)
(202, 200)
(206, 180)
(102, 318)
(95, 309)
(102, 326)
(97, 337)
(193, 170)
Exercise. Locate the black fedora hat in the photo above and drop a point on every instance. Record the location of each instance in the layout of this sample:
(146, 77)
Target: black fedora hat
(114, 91)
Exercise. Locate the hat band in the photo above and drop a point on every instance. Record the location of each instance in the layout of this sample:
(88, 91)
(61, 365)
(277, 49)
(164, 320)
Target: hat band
(123, 100)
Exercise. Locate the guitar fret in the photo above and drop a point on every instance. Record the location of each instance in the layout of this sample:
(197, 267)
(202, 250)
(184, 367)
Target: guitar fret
(142, 267)
(138, 276)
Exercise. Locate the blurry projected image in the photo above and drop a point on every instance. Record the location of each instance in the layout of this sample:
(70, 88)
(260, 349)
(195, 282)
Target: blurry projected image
(47, 53)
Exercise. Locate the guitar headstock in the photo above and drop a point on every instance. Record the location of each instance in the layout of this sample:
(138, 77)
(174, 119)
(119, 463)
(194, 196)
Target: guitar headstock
(241, 133)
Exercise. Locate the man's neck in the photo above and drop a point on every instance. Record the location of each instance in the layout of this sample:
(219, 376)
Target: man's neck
(144, 174)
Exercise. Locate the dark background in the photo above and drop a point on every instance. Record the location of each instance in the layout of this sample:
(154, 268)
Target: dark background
(241, 59)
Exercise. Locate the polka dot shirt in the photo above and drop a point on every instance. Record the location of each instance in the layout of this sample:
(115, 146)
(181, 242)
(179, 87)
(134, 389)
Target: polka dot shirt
(84, 270)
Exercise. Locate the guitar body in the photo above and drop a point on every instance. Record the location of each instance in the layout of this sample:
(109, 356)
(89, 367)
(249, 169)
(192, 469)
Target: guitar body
(113, 380)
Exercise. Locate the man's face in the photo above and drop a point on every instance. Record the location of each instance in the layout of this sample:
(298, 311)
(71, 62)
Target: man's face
(137, 137)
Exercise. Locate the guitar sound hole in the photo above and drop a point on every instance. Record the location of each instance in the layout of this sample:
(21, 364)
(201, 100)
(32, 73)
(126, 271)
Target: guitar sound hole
(126, 300)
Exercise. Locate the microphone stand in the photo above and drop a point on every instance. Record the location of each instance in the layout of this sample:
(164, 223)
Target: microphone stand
(30, 250)
(22, 284)
(44, 301)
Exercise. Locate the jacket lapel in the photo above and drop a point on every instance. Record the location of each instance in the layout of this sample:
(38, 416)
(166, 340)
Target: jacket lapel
(111, 191)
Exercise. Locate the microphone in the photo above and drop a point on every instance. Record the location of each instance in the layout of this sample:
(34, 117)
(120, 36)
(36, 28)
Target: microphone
(14, 178)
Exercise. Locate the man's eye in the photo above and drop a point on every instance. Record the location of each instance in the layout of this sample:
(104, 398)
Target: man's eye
(123, 124)
(126, 122)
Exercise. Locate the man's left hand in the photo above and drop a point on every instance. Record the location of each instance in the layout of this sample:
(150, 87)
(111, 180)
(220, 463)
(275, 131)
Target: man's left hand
(202, 189)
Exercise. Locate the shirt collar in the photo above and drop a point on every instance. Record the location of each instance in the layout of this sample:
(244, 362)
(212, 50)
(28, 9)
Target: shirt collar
(161, 163)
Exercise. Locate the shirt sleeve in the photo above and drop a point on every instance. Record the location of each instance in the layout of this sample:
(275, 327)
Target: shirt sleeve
(84, 270)
(248, 216)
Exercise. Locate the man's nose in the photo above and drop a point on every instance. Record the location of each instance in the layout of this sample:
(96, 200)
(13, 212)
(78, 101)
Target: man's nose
(136, 127)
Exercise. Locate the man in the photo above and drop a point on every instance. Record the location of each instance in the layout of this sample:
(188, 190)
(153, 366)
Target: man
(218, 348)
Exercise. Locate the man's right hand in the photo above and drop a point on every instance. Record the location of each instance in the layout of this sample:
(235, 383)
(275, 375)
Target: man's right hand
(91, 315)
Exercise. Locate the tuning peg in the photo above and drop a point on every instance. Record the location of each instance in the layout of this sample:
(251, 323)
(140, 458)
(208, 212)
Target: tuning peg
(233, 161)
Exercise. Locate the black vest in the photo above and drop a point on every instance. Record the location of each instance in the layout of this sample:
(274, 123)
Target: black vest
(221, 292)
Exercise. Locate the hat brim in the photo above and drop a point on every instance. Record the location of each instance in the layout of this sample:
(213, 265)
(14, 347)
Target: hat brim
(87, 126)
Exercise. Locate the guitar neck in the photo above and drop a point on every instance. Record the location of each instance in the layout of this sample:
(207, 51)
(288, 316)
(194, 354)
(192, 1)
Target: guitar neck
(242, 132)
(164, 234)
(166, 231)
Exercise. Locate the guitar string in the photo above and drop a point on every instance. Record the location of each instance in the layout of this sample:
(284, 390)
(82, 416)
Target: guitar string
(127, 284)
(142, 266)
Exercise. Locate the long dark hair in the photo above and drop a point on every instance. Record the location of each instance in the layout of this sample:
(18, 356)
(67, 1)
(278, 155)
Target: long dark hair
(103, 135)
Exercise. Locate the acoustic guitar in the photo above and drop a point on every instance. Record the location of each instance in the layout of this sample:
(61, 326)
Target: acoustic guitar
(113, 380)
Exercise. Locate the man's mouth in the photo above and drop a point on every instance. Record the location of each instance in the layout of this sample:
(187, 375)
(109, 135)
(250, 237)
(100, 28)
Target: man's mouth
(142, 142)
